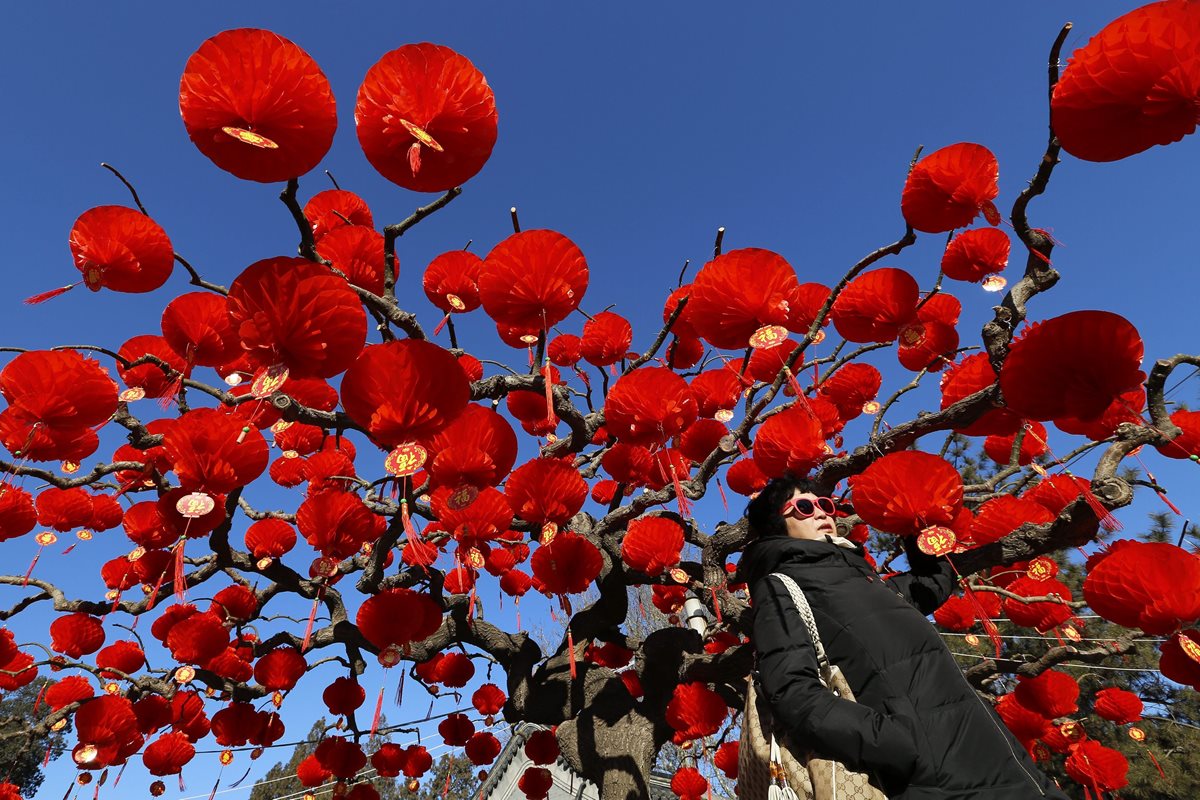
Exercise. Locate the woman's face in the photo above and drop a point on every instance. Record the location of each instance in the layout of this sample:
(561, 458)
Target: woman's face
(812, 527)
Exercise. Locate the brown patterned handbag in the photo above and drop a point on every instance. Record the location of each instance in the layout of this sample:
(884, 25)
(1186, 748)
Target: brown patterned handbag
(772, 770)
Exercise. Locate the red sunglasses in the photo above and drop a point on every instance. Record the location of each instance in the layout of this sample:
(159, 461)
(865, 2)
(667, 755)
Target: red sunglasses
(803, 508)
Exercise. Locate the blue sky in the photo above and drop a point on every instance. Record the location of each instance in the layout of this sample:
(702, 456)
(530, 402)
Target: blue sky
(635, 131)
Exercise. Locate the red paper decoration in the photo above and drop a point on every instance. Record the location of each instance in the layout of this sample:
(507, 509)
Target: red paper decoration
(907, 491)
(652, 544)
(426, 117)
(1094, 765)
(357, 252)
(1002, 515)
(435, 391)
(1091, 357)
(973, 255)
(1052, 694)
(334, 208)
(973, 374)
(213, 452)
(648, 406)
(197, 326)
(695, 711)
(121, 249)
(606, 339)
(949, 187)
(76, 635)
(546, 490)
(167, 754)
(257, 105)
(1154, 586)
(1042, 615)
(1134, 85)
(790, 441)
(150, 377)
(739, 292)
(567, 565)
(398, 616)
(451, 281)
(297, 313)
(533, 280)
(850, 388)
(1118, 705)
(876, 305)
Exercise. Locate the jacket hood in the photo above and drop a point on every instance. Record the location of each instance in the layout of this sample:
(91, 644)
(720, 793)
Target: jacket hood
(763, 556)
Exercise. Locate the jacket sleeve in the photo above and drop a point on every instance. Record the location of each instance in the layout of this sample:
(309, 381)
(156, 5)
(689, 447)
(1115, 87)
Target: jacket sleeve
(811, 715)
(929, 581)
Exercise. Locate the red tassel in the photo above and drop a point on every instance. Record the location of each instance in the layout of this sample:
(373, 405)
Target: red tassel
(724, 501)
(441, 325)
(46, 760)
(400, 689)
(571, 651)
(679, 495)
(70, 547)
(32, 564)
(414, 157)
(1154, 761)
(378, 712)
(44, 296)
(180, 578)
(517, 603)
(312, 618)
(551, 418)
(213, 793)
(1107, 520)
(38, 700)
(446, 788)
(641, 607)
(716, 605)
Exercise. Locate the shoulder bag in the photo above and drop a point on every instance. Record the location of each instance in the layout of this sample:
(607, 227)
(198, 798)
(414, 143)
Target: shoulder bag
(769, 769)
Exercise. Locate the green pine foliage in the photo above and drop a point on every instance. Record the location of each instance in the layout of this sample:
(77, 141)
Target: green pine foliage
(21, 758)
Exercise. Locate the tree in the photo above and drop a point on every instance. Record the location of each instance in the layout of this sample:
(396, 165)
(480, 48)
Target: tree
(389, 455)
(463, 781)
(23, 747)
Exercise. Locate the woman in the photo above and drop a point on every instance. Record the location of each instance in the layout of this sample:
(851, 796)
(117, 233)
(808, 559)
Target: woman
(918, 726)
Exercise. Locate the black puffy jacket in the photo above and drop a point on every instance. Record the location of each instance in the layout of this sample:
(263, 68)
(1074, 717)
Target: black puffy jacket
(918, 726)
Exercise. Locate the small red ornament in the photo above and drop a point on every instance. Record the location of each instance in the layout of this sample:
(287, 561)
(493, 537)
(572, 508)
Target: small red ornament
(406, 459)
(194, 505)
(936, 540)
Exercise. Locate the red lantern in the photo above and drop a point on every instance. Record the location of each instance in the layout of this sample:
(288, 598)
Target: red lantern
(726, 759)
(974, 374)
(533, 280)
(1132, 86)
(745, 477)
(1152, 586)
(150, 377)
(716, 390)
(956, 614)
(311, 773)
(456, 730)
(542, 747)
(478, 448)
(790, 441)
(739, 292)
(606, 339)
(546, 490)
(337, 524)
(850, 388)
(701, 438)
(1180, 658)
(280, 669)
(435, 391)
(17, 514)
(1052, 694)
(1186, 444)
(482, 748)
(567, 565)
(1091, 357)
(652, 544)
(565, 350)
(257, 105)
(1118, 705)
(649, 406)
(949, 187)
(167, 754)
(72, 689)
(357, 252)
(876, 305)
(297, 313)
(451, 281)
(76, 635)
(1092, 764)
(907, 491)
(695, 711)
(975, 254)
(488, 699)
(213, 452)
(1027, 725)
(1042, 615)
(270, 538)
(341, 757)
(1033, 444)
(1126, 407)
(535, 783)
(688, 784)
(334, 208)
(124, 656)
(197, 639)
(1002, 515)
(426, 118)
(398, 617)
(119, 248)
(198, 327)
(59, 388)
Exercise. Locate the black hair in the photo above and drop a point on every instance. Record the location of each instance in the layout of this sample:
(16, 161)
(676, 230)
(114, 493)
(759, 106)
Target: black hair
(763, 512)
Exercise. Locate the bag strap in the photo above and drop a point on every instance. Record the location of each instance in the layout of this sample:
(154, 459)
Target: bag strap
(806, 614)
